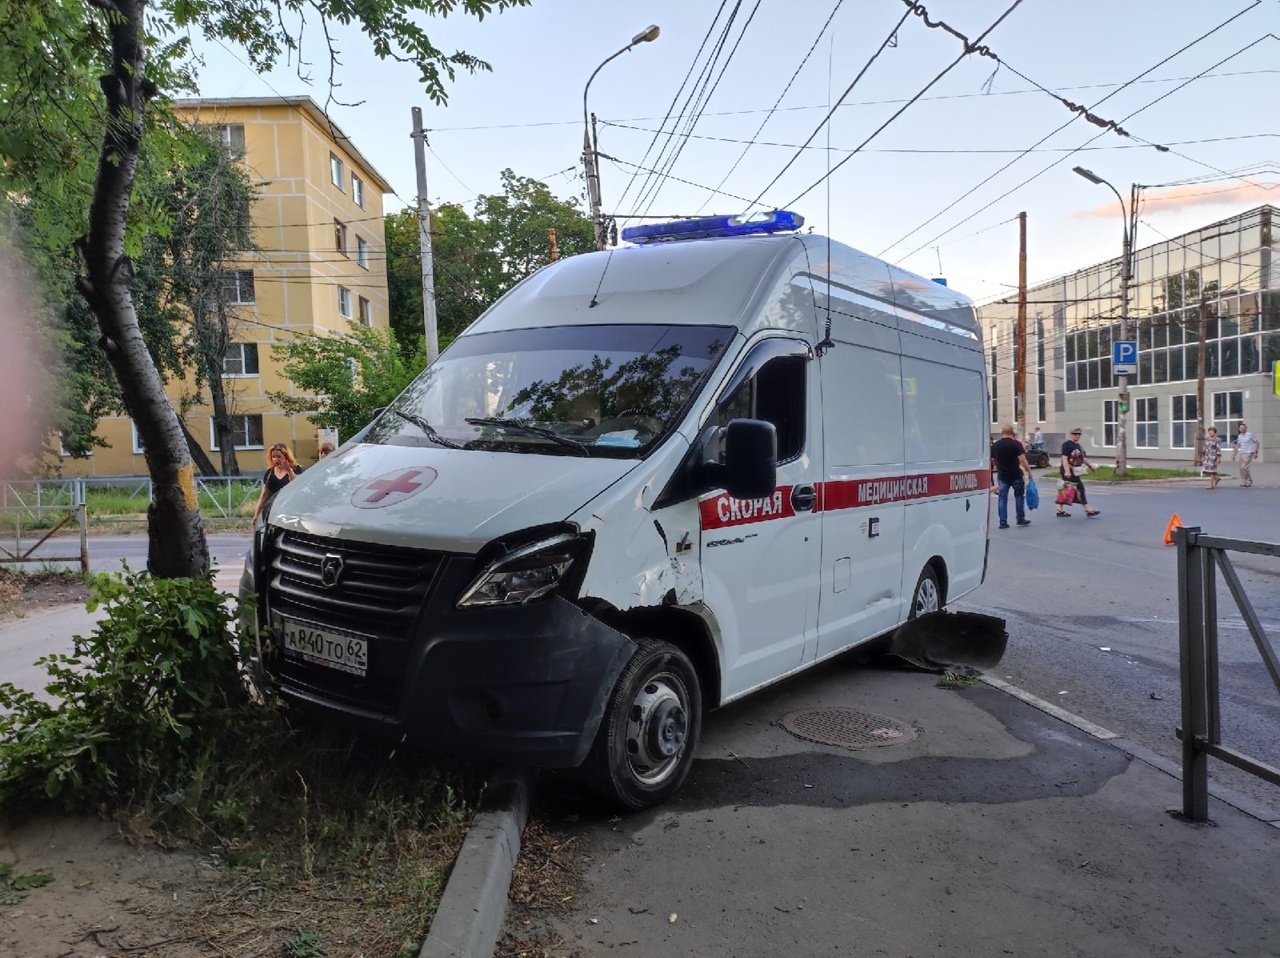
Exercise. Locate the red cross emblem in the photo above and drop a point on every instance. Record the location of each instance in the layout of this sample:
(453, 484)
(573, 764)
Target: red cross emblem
(392, 487)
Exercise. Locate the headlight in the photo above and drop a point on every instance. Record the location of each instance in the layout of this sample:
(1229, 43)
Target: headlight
(524, 575)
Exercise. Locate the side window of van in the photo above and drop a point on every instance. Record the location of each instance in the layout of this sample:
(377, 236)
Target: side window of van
(771, 386)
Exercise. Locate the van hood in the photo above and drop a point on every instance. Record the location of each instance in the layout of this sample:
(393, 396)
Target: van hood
(436, 498)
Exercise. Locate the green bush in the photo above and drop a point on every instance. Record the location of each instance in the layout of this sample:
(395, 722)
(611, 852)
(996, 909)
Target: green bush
(135, 703)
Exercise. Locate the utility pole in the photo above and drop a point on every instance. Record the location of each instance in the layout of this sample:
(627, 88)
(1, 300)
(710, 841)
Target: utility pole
(1200, 427)
(590, 146)
(551, 243)
(424, 240)
(589, 161)
(1020, 332)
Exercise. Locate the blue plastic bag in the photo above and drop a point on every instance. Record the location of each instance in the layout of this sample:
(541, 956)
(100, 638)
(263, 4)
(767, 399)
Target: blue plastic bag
(1033, 494)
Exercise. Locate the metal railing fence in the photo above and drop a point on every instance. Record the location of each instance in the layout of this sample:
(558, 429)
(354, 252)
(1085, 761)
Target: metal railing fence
(1200, 559)
(224, 496)
(26, 553)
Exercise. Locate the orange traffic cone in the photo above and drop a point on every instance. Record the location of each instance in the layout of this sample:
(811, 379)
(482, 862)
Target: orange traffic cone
(1174, 523)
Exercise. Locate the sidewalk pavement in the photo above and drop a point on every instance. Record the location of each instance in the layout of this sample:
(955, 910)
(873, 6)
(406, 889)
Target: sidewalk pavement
(1003, 828)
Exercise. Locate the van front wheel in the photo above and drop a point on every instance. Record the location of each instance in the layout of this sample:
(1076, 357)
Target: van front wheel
(645, 744)
(928, 594)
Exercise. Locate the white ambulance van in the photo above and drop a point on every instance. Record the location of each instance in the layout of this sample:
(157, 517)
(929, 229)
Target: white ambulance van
(645, 483)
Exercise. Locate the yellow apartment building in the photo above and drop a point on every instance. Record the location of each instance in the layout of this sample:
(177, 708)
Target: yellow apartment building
(320, 263)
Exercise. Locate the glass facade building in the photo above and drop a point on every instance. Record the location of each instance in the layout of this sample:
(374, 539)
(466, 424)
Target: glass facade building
(1204, 310)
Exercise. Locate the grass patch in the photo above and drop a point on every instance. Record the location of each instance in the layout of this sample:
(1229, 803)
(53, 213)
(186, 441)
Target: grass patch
(1137, 474)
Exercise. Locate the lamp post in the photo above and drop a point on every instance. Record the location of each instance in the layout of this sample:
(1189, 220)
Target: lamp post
(1126, 277)
(590, 155)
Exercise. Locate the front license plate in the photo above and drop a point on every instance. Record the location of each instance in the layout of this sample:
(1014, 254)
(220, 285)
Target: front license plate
(335, 650)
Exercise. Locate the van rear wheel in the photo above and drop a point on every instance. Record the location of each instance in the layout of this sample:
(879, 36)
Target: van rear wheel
(928, 595)
(644, 748)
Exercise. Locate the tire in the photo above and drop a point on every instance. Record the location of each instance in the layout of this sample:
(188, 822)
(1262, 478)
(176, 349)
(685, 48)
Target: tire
(644, 748)
(928, 594)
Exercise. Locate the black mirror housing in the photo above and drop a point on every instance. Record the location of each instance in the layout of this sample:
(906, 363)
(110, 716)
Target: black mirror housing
(750, 467)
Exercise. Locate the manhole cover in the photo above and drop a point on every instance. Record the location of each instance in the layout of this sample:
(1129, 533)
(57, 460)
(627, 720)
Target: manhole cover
(847, 728)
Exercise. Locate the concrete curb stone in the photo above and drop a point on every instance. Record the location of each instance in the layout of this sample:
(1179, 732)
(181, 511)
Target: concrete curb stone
(474, 903)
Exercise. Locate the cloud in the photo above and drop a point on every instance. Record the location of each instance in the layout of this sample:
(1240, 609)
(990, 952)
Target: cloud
(1171, 198)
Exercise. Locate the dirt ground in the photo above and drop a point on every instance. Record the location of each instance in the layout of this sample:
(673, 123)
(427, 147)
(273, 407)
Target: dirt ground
(23, 594)
(105, 896)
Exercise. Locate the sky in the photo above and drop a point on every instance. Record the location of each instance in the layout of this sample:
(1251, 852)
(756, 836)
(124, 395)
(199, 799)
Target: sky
(935, 184)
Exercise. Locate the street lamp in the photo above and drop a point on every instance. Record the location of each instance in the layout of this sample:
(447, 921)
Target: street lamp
(590, 154)
(1126, 276)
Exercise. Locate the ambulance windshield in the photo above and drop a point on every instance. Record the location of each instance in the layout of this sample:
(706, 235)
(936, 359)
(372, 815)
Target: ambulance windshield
(613, 391)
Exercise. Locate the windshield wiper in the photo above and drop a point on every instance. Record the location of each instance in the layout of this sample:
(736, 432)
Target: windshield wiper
(426, 427)
(533, 431)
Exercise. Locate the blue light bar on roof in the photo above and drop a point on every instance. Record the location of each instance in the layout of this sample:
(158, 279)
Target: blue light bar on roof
(754, 224)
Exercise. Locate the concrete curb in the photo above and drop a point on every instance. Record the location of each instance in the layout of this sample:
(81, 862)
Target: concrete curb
(474, 903)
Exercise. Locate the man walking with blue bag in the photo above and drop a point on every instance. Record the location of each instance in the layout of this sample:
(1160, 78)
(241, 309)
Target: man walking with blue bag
(1009, 461)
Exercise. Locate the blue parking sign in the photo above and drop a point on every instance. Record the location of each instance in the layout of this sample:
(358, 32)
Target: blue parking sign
(1124, 357)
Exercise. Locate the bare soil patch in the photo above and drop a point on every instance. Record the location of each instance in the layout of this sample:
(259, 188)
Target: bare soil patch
(26, 593)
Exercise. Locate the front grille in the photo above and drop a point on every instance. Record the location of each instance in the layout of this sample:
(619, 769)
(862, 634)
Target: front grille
(379, 595)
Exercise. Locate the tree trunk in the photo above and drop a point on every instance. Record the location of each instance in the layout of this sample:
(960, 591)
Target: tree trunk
(222, 424)
(177, 546)
(204, 465)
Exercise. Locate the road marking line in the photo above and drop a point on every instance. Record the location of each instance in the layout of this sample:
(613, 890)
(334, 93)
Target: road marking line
(1084, 725)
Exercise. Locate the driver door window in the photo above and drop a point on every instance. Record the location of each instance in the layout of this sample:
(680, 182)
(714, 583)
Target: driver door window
(772, 388)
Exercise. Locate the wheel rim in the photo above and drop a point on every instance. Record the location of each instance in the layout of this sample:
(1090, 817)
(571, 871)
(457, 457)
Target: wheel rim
(926, 597)
(657, 729)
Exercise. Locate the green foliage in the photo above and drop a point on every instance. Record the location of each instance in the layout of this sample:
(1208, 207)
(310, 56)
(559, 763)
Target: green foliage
(304, 945)
(134, 703)
(14, 888)
(344, 378)
(477, 259)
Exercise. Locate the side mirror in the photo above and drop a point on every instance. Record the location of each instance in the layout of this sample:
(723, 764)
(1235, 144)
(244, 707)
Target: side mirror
(750, 467)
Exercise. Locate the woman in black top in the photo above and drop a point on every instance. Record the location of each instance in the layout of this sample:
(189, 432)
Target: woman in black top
(284, 469)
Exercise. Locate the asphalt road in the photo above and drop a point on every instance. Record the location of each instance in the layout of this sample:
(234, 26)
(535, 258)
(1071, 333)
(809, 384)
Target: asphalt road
(107, 551)
(1092, 606)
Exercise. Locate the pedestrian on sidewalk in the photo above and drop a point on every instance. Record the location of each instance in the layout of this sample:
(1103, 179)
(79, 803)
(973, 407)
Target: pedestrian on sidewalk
(1246, 447)
(1211, 457)
(1073, 460)
(1009, 461)
(284, 469)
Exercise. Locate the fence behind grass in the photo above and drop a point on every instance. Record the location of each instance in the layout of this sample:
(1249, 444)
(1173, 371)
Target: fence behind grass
(33, 502)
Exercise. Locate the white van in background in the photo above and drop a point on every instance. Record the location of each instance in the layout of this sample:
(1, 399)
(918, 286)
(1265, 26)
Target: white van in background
(643, 484)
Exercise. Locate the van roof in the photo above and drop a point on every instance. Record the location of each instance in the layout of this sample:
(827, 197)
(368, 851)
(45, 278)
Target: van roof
(710, 280)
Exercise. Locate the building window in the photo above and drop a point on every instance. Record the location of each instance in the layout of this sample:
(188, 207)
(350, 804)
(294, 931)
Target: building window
(1183, 422)
(337, 171)
(362, 251)
(1110, 424)
(232, 137)
(246, 433)
(138, 447)
(1228, 413)
(237, 287)
(241, 359)
(1148, 425)
(344, 302)
(366, 311)
(340, 236)
(1088, 358)
(357, 190)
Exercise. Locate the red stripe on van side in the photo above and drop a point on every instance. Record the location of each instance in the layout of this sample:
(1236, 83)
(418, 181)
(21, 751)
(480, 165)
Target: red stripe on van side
(857, 493)
(722, 510)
